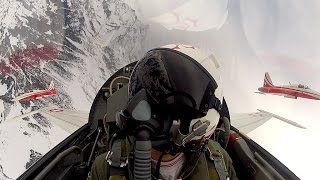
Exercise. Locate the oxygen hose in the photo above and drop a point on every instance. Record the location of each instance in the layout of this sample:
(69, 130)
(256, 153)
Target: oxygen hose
(142, 160)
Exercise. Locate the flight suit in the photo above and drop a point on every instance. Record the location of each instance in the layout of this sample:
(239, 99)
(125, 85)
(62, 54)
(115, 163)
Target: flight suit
(214, 166)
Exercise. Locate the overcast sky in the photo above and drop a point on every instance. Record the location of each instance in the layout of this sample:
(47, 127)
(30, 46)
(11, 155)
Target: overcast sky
(249, 38)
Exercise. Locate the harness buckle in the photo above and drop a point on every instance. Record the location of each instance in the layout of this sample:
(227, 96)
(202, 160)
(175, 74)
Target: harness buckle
(109, 153)
(117, 156)
(219, 163)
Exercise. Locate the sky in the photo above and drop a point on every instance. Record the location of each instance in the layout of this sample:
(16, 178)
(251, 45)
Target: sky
(250, 38)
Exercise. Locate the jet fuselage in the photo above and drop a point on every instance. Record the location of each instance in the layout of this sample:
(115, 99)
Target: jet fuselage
(36, 94)
(289, 91)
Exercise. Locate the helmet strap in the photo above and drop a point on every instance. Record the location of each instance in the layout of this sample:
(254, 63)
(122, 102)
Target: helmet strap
(199, 129)
(157, 170)
(210, 100)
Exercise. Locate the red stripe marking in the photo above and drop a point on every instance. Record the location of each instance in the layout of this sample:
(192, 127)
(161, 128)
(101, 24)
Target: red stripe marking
(293, 92)
(40, 94)
(56, 110)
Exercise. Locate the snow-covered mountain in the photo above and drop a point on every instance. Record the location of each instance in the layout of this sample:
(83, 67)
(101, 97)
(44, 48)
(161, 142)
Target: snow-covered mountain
(78, 45)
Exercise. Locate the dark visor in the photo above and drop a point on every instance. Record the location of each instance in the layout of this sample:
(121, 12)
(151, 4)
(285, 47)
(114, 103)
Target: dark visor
(173, 78)
(193, 79)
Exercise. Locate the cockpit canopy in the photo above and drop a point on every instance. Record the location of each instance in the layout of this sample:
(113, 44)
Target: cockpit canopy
(303, 86)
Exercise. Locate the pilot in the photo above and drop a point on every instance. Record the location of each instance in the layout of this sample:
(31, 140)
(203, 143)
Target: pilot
(175, 100)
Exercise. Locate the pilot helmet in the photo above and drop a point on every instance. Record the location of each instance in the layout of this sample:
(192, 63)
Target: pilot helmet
(175, 92)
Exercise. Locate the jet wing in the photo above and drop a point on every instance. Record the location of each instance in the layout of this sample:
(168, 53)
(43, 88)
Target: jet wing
(247, 122)
(27, 137)
(284, 119)
(68, 120)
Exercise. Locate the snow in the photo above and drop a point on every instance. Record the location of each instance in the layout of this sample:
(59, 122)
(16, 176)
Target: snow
(75, 95)
(3, 89)
(40, 46)
(13, 158)
(14, 41)
(83, 54)
(49, 32)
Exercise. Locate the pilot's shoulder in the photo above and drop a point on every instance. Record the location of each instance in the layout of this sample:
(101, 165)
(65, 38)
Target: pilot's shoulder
(98, 168)
(217, 150)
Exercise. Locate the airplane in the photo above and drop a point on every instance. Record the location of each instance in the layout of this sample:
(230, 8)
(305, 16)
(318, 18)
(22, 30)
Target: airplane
(37, 94)
(289, 91)
(72, 158)
(70, 121)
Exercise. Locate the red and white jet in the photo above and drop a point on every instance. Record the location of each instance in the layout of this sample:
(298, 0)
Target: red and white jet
(37, 94)
(288, 91)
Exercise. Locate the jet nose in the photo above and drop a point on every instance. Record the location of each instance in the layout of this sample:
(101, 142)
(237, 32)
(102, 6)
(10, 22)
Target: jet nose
(260, 89)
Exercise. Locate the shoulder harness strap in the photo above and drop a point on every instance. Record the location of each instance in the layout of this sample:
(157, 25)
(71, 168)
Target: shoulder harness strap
(118, 155)
(117, 159)
(214, 154)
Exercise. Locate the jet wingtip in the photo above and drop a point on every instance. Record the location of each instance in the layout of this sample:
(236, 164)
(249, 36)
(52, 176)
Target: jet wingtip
(283, 119)
(15, 99)
(302, 127)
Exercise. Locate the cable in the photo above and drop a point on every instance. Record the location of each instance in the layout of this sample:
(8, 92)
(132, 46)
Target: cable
(94, 145)
(105, 124)
(191, 170)
(113, 80)
(157, 171)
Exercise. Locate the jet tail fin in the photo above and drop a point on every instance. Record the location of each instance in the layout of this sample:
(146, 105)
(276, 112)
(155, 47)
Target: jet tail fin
(267, 80)
(51, 87)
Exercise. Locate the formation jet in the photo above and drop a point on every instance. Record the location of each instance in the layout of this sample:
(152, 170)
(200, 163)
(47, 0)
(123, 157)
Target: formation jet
(289, 91)
(36, 94)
